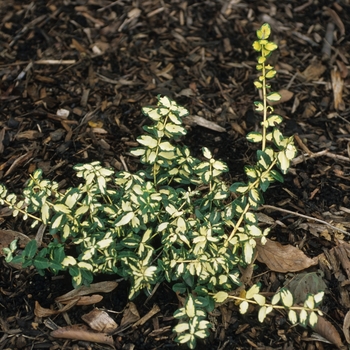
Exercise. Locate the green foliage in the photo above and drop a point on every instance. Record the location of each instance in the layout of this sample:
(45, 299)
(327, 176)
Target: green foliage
(172, 221)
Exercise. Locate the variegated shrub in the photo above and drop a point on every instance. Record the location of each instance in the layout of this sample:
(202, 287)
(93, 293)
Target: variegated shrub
(175, 220)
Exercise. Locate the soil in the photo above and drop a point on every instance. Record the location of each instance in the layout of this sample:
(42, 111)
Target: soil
(74, 76)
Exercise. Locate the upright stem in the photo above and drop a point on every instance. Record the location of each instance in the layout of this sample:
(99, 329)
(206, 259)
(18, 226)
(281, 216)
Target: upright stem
(265, 105)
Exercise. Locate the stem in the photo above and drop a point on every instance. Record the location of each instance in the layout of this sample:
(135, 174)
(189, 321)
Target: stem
(157, 151)
(272, 305)
(265, 105)
(238, 224)
(21, 210)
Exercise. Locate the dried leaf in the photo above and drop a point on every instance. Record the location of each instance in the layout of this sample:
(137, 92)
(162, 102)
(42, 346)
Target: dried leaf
(197, 120)
(286, 95)
(100, 321)
(346, 327)
(81, 332)
(130, 315)
(283, 258)
(85, 300)
(314, 71)
(324, 328)
(305, 283)
(101, 287)
(40, 311)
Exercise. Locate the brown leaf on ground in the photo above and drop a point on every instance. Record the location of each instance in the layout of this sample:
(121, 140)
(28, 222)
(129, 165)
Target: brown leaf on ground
(283, 258)
(81, 332)
(346, 327)
(40, 311)
(101, 287)
(327, 330)
(314, 71)
(130, 315)
(100, 321)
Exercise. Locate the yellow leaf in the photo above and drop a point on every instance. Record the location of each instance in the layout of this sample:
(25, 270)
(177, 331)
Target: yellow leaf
(264, 31)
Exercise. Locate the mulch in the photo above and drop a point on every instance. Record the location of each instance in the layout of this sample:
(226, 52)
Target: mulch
(74, 76)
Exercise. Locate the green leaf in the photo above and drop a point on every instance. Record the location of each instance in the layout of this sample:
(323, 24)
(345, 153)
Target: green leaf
(251, 172)
(239, 187)
(57, 221)
(250, 218)
(254, 137)
(30, 249)
(61, 208)
(179, 288)
(277, 175)
(206, 153)
(277, 137)
(273, 97)
(274, 119)
(283, 162)
(41, 263)
(220, 166)
(253, 230)
(259, 107)
(255, 197)
(264, 159)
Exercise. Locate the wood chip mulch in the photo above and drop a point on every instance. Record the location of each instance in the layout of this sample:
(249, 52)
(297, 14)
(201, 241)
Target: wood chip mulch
(73, 78)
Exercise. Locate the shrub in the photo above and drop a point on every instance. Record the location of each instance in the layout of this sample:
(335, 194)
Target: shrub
(175, 220)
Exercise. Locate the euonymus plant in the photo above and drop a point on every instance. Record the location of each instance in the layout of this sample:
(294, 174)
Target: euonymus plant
(175, 220)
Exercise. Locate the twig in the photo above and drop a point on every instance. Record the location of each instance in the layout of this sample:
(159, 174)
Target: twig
(302, 145)
(305, 217)
(306, 156)
(328, 40)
